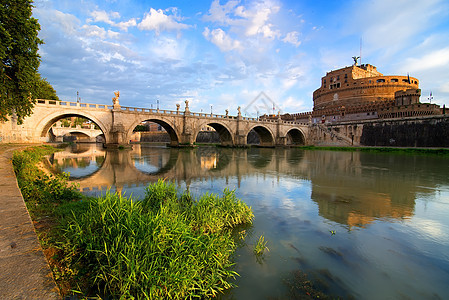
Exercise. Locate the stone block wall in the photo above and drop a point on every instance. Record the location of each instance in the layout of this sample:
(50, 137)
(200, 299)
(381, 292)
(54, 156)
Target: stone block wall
(424, 131)
(419, 133)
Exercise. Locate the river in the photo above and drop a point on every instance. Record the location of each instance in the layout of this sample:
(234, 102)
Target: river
(357, 225)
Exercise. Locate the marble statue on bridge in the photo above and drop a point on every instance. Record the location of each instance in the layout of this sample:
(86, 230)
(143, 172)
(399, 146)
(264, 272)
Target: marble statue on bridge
(115, 101)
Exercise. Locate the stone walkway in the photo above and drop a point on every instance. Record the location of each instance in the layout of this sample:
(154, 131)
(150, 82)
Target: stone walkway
(24, 271)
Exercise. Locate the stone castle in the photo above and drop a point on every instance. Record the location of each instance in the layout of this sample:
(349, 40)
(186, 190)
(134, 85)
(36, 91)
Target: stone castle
(360, 92)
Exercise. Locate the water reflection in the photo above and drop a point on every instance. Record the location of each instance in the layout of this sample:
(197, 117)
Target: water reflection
(388, 212)
(80, 160)
(351, 188)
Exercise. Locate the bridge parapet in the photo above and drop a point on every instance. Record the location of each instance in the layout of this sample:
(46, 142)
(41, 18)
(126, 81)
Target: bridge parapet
(91, 106)
(68, 104)
(118, 122)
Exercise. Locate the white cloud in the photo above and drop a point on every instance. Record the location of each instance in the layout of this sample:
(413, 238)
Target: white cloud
(292, 104)
(113, 34)
(219, 38)
(220, 13)
(105, 17)
(167, 48)
(292, 38)
(94, 30)
(445, 87)
(66, 23)
(438, 58)
(125, 25)
(158, 21)
(257, 19)
(247, 21)
(391, 25)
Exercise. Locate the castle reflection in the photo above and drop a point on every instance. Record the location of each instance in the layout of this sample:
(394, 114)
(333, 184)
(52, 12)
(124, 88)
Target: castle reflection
(351, 188)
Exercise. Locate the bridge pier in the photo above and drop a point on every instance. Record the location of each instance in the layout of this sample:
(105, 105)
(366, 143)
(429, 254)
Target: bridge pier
(281, 141)
(117, 124)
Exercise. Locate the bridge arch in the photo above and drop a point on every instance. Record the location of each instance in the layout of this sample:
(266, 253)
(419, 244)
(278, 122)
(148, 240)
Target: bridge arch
(266, 136)
(45, 123)
(170, 163)
(226, 137)
(295, 136)
(169, 127)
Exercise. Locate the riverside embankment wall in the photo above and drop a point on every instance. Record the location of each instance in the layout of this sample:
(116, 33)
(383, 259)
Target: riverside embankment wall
(24, 271)
(425, 131)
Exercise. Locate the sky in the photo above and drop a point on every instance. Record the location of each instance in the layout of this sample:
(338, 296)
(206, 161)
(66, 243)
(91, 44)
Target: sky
(220, 55)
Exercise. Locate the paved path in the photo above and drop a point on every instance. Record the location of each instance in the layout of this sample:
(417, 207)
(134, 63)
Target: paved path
(24, 271)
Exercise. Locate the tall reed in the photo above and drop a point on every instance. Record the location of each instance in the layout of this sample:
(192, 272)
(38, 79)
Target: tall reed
(167, 246)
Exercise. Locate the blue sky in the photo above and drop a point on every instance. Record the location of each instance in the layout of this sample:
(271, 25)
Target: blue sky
(225, 53)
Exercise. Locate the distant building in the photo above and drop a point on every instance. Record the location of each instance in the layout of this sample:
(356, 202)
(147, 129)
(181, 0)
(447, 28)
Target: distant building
(360, 93)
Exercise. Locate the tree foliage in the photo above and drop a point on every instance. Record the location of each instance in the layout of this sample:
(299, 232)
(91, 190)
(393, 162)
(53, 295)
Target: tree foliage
(44, 90)
(19, 44)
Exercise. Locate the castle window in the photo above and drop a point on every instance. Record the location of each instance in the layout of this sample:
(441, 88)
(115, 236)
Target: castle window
(338, 77)
(404, 80)
(346, 75)
(380, 80)
(394, 80)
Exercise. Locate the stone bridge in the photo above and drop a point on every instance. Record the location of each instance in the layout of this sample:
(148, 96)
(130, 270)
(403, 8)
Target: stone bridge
(127, 168)
(83, 134)
(118, 122)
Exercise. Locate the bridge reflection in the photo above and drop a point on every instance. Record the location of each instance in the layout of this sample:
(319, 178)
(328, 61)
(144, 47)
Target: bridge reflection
(350, 188)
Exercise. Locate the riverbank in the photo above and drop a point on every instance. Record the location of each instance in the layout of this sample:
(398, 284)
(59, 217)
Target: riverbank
(167, 245)
(25, 273)
(399, 150)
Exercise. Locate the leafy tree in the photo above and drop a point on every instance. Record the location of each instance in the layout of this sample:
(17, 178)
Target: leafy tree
(44, 90)
(141, 128)
(19, 58)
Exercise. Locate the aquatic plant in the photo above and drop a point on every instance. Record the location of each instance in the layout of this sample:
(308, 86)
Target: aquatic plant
(164, 247)
(168, 246)
(260, 246)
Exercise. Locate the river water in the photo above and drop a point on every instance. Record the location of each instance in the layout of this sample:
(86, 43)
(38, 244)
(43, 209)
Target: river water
(357, 225)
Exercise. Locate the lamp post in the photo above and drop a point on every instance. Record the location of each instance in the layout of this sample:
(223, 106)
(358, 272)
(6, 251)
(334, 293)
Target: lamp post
(211, 110)
(157, 104)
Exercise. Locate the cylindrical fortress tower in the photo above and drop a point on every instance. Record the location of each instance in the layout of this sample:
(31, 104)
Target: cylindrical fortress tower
(358, 85)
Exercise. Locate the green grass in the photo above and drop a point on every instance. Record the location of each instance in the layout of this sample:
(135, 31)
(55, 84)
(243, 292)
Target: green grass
(167, 246)
(37, 187)
(421, 151)
(164, 247)
(260, 246)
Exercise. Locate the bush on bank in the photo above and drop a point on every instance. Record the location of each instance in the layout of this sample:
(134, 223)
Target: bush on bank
(167, 246)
